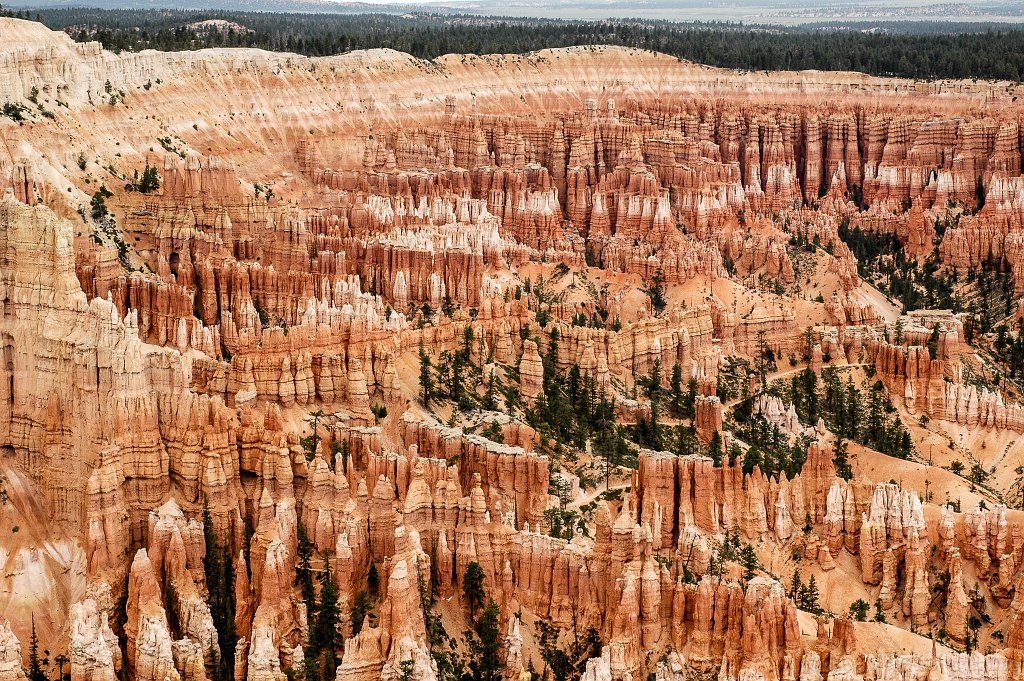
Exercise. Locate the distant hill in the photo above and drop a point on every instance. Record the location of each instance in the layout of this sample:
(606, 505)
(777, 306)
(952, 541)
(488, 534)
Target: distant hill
(837, 14)
(315, 6)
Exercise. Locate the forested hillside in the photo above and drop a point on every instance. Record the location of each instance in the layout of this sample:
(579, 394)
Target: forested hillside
(916, 50)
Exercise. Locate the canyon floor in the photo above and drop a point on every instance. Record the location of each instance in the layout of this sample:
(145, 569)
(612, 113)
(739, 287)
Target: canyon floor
(582, 363)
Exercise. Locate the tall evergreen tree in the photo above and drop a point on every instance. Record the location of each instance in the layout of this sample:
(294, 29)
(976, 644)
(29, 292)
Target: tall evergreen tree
(361, 606)
(654, 394)
(473, 587)
(150, 181)
(373, 579)
(485, 646)
(808, 596)
(217, 565)
(676, 387)
(35, 671)
(690, 399)
(311, 441)
(748, 558)
(327, 616)
(304, 569)
(426, 378)
(490, 401)
(842, 460)
(715, 448)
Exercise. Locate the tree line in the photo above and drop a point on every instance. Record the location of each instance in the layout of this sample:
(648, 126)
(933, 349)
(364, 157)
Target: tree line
(933, 51)
(865, 416)
(882, 260)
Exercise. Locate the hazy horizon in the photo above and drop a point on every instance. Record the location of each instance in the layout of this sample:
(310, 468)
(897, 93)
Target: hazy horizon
(792, 12)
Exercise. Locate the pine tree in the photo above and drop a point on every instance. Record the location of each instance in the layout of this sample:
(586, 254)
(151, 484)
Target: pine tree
(327, 620)
(310, 669)
(406, 668)
(35, 671)
(473, 587)
(228, 637)
(686, 441)
(455, 388)
(567, 662)
(656, 292)
(796, 585)
(99, 204)
(875, 420)
(842, 461)
(716, 567)
(859, 610)
(653, 393)
(933, 342)
(549, 362)
(751, 459)
(490, 402)
(748, 558)
(808, 597)
(361, 606)
(653, 383)
(676, 384)
(171, 607)
(765, 360)
(304, 569)
(426, 378)
(854, 413)
(311, 441)
(150, 180)
(467, 344)
(485, 646)
(217, 565)
(373, 579)
(210, 561)
(715, 449)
